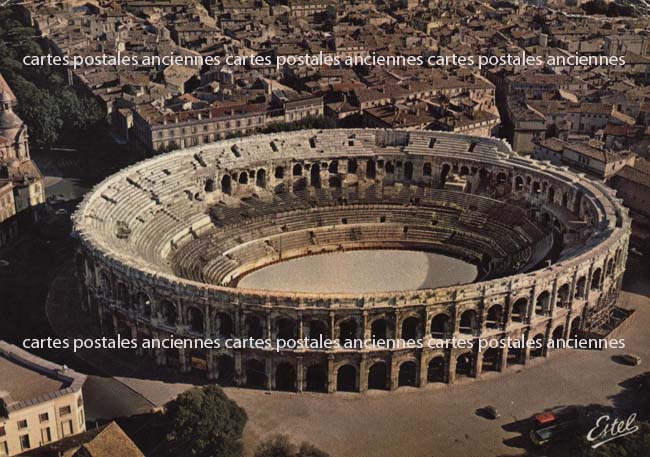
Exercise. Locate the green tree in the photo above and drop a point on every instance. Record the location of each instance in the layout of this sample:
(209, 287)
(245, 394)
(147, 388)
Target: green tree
(281, 446)
(205, 423)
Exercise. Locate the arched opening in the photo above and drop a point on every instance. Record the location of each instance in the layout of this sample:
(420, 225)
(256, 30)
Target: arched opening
(610, 267)
(536, 187)
(225, 370)
(300, 184)
(379, 329)
(254, 327)
(444, 173)
(468, 322)
(410, 328)
(440, 326)
(224, 325)
(226, 184)
(519, 310)
(256, 374)
(315, 175)
(494, 317)
(565, 200)
(333, 166)
(407, 374)
(144, 304)
(169, 313)
(595, 279)
(426, 169)
(371, 169)
(408, 171)
(243, 177)
(346, 379)
(279, 173)
(286, 329)
(297, 170)
(514, 357)
(550, 196)
(390, 168)
(581, 287)
(317, 329)
(537, 349)
(491, 359)
(502, 178)
(352, 166)
(464, 365)
(347, 331)
(563, 296)
(542, 303)
(209, 185)
(519, 183)
(378, 376)
(195, 319)
(316, 378)
(558, 337)
(122, 295)
(464, 170)
(285, 377)
(574, 331)
(260, 179)
(436, 370)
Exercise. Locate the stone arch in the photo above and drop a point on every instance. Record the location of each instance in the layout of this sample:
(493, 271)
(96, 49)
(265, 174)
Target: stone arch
(436, 369)
(352, 166)
(348, 329)
(260, 178)
(408, 170)
(519, 309)
(565, 199)
(440, 326)
(596, 278)
(256, 374)
(379, 329)
(285, 376)
(243, 177)
(468, 322)
(538, 349)
(226, 184)
(169, 312)
(378, 376)
(297, 170)
(316, 379)
(519, 183)
(550, 194)
(563, 295)
(464, 365)
(346, 378)
(286, 328)
(389, 167)
(491, 359)
(371, 169)
(543, 303)
(581, 287)
(610, 267)
(225, 370)
(195, 319)
(333, 166)
(464, 170)
(444, 173)
(426, 169)
(502, 178)
(408, 374)
(574, 330)
(315, 175)
(317, 329)
(494, 317)
(144, 304)
(410, 328)
(557, 335)
(122, 294)
(254, 327)
(224, 325)
(536, 187)
(209, 185)
(279, 173)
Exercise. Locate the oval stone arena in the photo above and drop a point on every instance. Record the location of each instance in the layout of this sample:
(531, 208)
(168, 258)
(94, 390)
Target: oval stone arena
(347, 235)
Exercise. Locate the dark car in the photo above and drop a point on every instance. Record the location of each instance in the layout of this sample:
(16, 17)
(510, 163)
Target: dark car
(491, 412)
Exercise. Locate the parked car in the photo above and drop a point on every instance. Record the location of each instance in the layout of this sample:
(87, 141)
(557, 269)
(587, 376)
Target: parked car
(491, 412)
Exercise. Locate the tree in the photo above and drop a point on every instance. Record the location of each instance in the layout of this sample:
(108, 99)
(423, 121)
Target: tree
(281, 446)
(205, 423)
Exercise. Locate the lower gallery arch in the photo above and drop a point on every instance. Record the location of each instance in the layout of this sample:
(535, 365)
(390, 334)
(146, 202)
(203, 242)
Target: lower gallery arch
(436, 369)
(464, 365)
(491, 359)
(346, 379)
(378, 376)
(225, 370)
(537, 349)
(256, 374)
(316, 379)
(408, 374)
(285, 376)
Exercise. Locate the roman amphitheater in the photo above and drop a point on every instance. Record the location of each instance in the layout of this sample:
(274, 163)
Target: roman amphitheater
(167, 246)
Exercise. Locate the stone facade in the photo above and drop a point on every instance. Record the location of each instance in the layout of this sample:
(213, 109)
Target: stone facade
(135, 227)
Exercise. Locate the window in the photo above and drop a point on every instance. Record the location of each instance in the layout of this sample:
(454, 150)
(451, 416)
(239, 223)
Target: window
(22, 424)
(80, 400)
(4, 449)
(67, 428)
(24, 442)
(43, 417)
(46, 435)
(64, 411)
